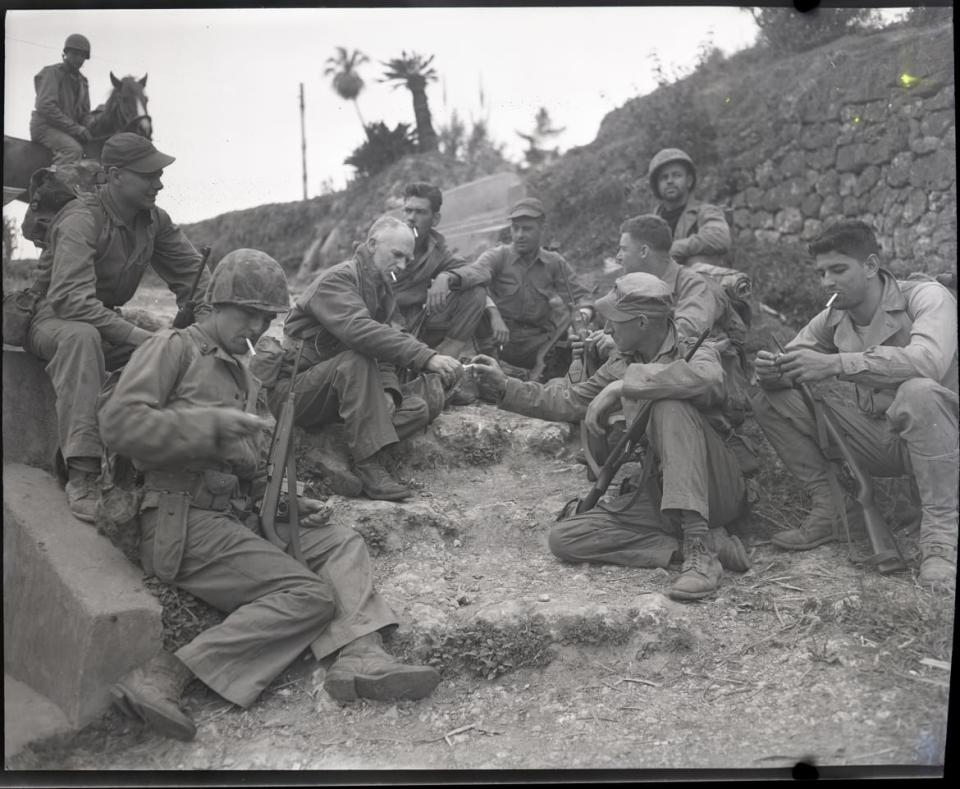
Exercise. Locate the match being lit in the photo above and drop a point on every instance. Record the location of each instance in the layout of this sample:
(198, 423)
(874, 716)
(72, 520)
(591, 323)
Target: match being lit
(830, 301)
(250, 346)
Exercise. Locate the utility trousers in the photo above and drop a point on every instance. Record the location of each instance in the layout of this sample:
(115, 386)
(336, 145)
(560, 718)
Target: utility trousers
(77, 363)
(275, 606)
(458, 319)
(349, 388)
(916, 436)
(65, 148)
(641, 529)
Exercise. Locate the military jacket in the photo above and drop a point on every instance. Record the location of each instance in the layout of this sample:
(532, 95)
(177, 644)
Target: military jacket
(63, 99)
(411, 290)
(701, 230)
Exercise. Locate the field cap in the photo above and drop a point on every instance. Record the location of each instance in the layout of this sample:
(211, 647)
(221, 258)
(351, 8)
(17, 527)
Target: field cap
(133, 152)
(530, 207)
(636, 294)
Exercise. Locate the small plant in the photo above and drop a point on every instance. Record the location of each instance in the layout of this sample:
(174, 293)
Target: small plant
(382, 148)
(596, 631)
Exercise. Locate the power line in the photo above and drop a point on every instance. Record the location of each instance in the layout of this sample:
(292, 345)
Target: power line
(57, 50)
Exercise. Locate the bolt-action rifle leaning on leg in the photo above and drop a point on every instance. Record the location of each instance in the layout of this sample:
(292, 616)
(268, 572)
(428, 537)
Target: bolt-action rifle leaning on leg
(886, 553)
(283, 458)
(184, 316)
(621, 451)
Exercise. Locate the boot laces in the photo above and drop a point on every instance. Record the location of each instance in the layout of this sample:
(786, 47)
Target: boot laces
(696, 558)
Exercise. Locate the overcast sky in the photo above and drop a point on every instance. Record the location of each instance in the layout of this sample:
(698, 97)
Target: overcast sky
(223, 83)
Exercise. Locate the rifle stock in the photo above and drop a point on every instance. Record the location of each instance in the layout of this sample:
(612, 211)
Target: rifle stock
(632, 435)
(886, 553)
(282, 459)
(537, 369)
(185, 316)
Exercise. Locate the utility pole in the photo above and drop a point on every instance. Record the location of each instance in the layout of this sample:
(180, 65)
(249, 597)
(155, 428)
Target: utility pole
(303, 144)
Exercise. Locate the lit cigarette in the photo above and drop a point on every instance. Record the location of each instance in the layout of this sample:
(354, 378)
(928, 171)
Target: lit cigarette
(393, 275)
(250, 346)
(830, 301)
(415, 233)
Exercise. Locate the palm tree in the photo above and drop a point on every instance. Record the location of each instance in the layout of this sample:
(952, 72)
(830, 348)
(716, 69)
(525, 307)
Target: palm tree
(346, 81)
(413, 72)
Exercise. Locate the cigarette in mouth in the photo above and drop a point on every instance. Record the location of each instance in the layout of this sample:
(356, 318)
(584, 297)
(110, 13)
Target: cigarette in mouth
(415, 233)
(830, 301)
(393, 275)
(250, 346)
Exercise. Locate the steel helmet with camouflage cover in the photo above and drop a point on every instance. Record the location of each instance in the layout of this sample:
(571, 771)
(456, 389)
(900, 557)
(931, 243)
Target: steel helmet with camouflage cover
(666, 156)
(77, 42)
(249, 278)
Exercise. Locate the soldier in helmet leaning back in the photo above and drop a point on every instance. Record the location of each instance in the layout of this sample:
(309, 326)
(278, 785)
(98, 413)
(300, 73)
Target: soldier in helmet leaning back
(99, 247)
(699, 229)
(190, 414)
(61, 113)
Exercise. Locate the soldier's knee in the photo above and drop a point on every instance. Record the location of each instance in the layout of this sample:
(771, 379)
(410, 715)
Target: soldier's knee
(472, 298)
(671, 410)
(79, 336)
(919, 398)
(317, 601)
(416, 407)
(558, 540)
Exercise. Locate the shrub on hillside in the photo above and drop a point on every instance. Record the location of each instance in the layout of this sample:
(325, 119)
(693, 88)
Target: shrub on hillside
(783, 277)
(785, 29)
(382, 148)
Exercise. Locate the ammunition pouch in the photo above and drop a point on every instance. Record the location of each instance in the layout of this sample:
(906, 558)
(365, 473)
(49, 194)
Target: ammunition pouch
(206, 490)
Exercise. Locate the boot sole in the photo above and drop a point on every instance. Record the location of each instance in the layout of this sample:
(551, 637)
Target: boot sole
(690, 595)
(183, 730)
(805, 546)
(409, 682)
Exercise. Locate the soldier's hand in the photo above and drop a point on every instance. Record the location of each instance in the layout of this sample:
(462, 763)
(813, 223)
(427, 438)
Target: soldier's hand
(449, 368)
(491, 380)
(601, 407)
(391, 403)
(84, 135)
(804, 365)
(602, 342)
(234, 424)
(766, 364)
(438, 294)
(501, 334)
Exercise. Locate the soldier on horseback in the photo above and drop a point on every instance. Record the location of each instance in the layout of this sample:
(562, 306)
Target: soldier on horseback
(61, 114)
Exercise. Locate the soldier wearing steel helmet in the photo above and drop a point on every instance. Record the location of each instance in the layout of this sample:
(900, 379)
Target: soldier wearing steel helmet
(192, 417)
(100, 245)
(700, 230)
(61, 113)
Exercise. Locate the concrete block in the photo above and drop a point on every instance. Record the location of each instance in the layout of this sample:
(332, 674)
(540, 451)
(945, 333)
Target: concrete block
(29, 411)
(28, 717)
(76, 615)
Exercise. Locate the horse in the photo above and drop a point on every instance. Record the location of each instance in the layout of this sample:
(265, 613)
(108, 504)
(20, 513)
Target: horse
(124, 111)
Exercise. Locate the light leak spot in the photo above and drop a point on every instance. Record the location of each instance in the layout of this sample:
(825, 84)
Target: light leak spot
(908, 80)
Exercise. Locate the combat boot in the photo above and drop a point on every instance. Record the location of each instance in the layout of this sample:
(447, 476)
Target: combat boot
(364, 670)
(729, 549)
(938, 567)
(377, 483)
(151, 694)
(700, 574)
(81, 490)
(333, 457)
(819, 527)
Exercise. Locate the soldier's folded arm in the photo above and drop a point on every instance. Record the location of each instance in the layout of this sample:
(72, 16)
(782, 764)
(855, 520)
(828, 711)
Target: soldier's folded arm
(339, 308)
(176, 261)
(481, 272)
(712, 236)
(136, 420)
(699, 379)
(73, 281)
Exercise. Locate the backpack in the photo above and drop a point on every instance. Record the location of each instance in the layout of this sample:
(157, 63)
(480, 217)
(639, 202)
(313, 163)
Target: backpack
(49, 195)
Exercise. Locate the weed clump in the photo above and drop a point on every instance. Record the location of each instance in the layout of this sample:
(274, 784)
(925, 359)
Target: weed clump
(595, 631)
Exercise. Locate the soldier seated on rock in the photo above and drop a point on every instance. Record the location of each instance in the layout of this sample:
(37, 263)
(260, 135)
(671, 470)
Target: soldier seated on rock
(351, 352)
(897, 342)
(188, 411)
(99, 248)
(522, 277)
(443, 319)
(701, 489)
(700, 230)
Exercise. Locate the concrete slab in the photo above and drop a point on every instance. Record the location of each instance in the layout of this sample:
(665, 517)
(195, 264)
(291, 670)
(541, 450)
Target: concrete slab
(28, 717)
(76, 613)
(29, 411)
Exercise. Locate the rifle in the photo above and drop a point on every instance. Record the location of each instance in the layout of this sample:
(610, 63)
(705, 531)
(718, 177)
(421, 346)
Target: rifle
(625, 446)
(886, 553)
(537, 369)
(184, 316)
(282, 454)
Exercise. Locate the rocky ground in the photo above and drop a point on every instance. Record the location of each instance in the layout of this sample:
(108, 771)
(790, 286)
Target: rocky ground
(804, 657)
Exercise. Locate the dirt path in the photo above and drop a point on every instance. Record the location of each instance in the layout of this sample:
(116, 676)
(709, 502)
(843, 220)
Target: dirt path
(803, 657)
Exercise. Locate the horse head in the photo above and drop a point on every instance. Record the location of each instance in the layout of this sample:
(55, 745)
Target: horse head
(127, 106)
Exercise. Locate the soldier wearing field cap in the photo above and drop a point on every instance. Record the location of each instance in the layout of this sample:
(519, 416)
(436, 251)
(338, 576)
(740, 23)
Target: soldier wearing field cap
(521, 277)
(61, 113)
(701, 489)
(100, 245)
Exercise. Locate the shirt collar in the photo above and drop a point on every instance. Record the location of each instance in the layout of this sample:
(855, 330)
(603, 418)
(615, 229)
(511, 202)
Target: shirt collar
(670, 274)
(514, 256)
(891, 300)
(208, 347)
